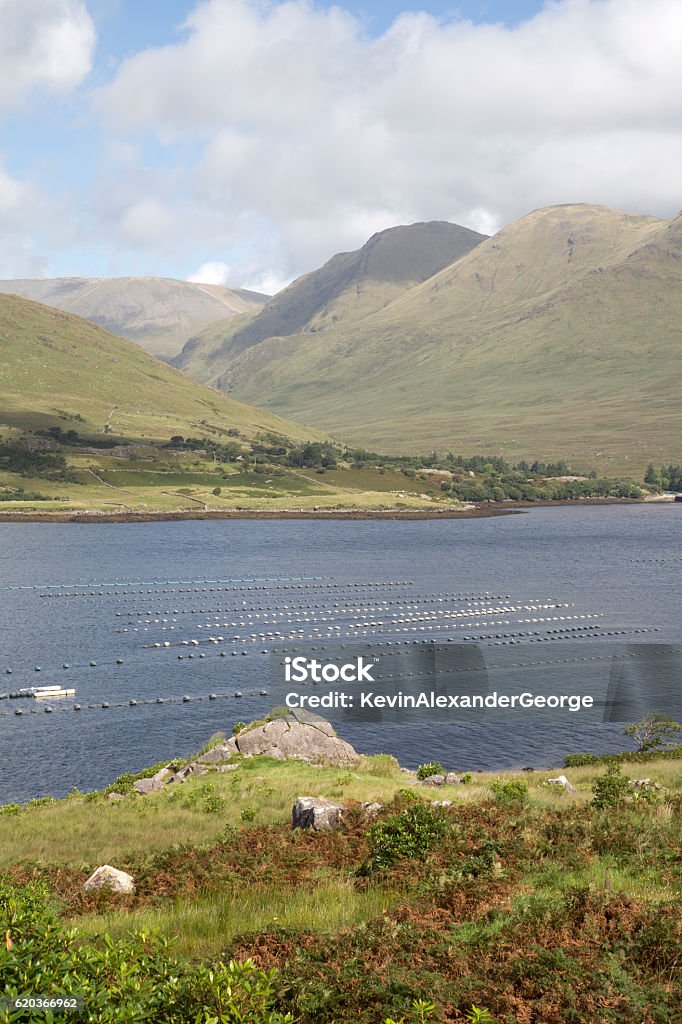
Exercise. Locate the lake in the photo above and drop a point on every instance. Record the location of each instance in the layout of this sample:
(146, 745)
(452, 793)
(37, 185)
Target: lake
(72, 594)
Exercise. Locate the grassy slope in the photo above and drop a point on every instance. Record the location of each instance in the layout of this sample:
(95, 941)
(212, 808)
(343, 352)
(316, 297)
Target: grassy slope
(158, 313)
(559, 337)
(54, 362)
(347, 288)
(549, 911)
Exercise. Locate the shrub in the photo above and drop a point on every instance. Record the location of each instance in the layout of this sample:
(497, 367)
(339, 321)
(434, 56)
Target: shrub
(610, 789)
(636, 756)
(10, 809)
(466, 778)
(248, 814)
(512, 792)
(430, 768)
(126, 979)
(237, 728)
(411, 833)
(654, 732)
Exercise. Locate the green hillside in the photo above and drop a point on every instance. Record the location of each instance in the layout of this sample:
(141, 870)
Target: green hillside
(347, 288)
(559, 337)
(56, 366)
(158, 313)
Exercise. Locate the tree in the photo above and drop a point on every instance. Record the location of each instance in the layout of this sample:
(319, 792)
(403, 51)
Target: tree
(653, 732)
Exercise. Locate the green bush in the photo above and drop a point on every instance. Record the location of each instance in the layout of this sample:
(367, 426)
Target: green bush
(128, 979)
(247, 814)
(430, 768)
(611, 789)
(636, 756)
(410, 833)
(512, 792)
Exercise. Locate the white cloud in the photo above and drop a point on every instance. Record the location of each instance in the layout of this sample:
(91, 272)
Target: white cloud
(315, 135)
(213, 272)
(44, 44)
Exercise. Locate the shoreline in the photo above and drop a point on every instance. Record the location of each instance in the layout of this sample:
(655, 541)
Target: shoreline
(482, 511)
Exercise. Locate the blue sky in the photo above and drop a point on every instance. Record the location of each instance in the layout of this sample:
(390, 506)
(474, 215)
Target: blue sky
(266, 136)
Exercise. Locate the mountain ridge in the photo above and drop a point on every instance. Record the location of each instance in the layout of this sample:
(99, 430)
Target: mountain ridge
(557, 337)
(158, 313)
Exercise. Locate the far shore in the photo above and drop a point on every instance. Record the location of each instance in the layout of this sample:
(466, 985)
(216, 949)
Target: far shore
(482, 511)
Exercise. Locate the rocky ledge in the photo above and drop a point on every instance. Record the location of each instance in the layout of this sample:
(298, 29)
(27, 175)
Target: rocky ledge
(299, 736)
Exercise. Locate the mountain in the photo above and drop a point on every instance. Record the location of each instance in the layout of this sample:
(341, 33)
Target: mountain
(55, 366)
(559, 337)
(347, 288)
(158, 313)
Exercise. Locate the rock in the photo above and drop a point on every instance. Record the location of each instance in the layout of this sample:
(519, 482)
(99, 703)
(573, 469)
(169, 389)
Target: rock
(300, 736)
(441, 803)
(107, 877)
(223, 752)
(371, 810)
(190, 769)
(226, 767)
(409, 771)
(316, 812)
(115, 797)
(561, 780)
(453, 779)
(144, 786)
(162, 775)
(434, 780)
(645, 784)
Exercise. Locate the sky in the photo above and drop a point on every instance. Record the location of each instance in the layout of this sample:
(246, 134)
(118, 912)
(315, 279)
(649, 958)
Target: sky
(246, 141)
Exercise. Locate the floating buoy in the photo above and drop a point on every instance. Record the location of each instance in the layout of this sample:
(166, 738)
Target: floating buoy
(133, 703)
(76, 707)
(93, 664)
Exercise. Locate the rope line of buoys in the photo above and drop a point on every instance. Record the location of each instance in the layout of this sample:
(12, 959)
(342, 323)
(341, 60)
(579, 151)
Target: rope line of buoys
(212, 590)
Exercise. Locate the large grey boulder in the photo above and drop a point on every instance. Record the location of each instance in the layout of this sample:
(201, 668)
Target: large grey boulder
(299, 736)
(316, 812)
(106, 877)
(453, 779)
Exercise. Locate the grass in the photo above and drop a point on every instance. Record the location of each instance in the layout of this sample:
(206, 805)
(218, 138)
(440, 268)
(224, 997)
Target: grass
(76, 831)
(55, 363)
(152, 477)
(206, 925)
(542, 908)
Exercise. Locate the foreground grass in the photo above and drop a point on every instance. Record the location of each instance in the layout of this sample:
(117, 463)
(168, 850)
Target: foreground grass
(533, 903)
(205, 926)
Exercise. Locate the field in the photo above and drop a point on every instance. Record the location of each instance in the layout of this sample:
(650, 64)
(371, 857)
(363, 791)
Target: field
(522, 898)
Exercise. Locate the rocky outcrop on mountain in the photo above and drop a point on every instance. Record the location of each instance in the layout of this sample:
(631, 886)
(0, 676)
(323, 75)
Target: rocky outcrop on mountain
(299, 737)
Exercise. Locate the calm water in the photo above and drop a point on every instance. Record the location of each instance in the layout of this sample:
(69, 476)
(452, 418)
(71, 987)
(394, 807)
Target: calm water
(619, 564)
